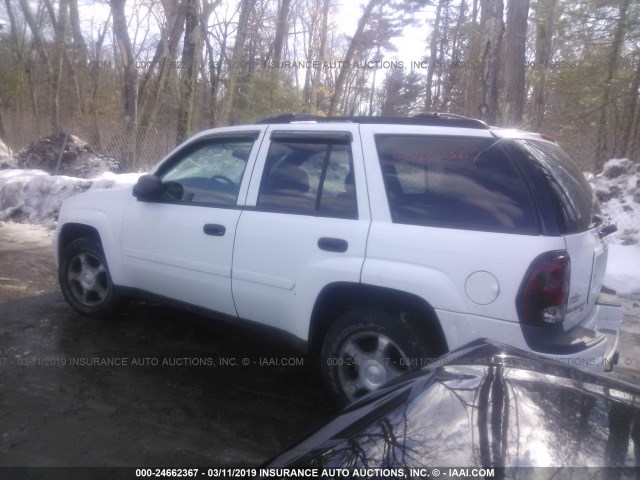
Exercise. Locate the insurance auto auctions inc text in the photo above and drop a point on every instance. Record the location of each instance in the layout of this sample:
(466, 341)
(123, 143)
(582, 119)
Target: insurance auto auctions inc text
(376, 472)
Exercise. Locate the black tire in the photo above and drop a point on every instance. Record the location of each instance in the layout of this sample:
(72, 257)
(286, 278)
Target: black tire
(365, 349)
(85, 279)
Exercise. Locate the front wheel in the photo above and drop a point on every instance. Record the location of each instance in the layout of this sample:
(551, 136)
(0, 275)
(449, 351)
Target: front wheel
(366, 349)
(85, 280)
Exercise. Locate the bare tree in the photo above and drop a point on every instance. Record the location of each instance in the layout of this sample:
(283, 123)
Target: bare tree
(322, 51)
(473, 67)
(42, 50)
(632, 110)
(96, 139)
(153, 87)
(353, 46)
(130, 87)
(60, 27)
(433, 56)
(514, 65)
(241, 34)
(545, 17)
(281, 31)
(190, 57)
(492, 28)
(601, 145)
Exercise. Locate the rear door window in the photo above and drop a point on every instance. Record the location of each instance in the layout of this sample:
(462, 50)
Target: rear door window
(312, 176)
(454, 182)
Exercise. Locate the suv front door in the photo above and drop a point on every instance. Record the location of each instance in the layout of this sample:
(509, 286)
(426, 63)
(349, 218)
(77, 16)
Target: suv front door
(181, 245)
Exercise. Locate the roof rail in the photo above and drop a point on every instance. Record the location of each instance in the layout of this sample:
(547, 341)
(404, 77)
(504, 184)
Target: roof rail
(433, 119)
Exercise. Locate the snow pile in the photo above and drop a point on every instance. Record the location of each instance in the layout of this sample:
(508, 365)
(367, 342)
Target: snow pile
(4, 150)
(34, 196)
(618, 189)
(77, 160)
(5, 156)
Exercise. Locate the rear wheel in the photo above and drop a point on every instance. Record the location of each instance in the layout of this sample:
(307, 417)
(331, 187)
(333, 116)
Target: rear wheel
(366, 349)
(85, 279)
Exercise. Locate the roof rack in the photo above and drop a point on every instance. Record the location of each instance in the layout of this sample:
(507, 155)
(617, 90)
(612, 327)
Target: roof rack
(432, 119)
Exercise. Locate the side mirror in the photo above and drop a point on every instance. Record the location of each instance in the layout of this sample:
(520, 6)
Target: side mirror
(148, 188)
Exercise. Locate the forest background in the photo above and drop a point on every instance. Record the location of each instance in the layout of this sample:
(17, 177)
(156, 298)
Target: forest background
(134, 78)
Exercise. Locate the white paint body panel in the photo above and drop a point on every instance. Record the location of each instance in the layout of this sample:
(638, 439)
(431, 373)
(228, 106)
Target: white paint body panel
(166, 252)
(278, 268)
(268, 268)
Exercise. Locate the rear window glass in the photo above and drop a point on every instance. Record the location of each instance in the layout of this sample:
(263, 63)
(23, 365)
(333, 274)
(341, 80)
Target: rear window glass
(454, 182)
(573, 194)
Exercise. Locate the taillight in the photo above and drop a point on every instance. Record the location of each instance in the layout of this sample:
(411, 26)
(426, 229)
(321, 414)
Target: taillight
(543, 296)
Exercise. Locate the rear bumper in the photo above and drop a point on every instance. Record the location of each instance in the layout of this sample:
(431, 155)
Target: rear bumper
(592, 346)
(609, 322)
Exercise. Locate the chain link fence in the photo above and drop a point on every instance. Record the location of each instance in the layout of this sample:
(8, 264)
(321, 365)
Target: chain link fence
(105, 138)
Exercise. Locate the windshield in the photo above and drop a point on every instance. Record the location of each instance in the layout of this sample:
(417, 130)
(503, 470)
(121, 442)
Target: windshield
(573, 195)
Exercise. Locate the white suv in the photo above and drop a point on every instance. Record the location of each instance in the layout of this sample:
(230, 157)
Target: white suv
(374, 244)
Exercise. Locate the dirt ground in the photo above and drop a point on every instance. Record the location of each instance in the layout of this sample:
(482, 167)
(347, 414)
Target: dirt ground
(26, 261)
(181, 394)
(176, 392)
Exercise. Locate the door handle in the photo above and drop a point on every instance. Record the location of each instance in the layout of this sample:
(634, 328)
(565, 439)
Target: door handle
(333, 244)
(214, 229)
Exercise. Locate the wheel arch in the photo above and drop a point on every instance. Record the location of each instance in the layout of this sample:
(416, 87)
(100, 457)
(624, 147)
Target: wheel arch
(338, 298)
(97, 226)
(72, 231)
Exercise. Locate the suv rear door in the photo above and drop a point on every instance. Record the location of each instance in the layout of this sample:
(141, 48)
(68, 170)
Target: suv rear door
(305, 224)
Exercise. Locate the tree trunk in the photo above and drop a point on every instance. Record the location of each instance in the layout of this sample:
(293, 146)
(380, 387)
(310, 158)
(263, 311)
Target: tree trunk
(234, 69)
(78, 38)
(516, 39)
(13, 36)
(207, 66)
(130, 87)
(315, 83)
(3, 131)
(310, 43)
(631, 114)
(56, 78)
(355, 43)
(190, 58)
(456, 55)
(473, 67)
(433, 52)
(281, 32)
(601, 142)
(41, 48)
(80, 51)
(96, 140)
(492, 28)
(151, 90)
(545, 18)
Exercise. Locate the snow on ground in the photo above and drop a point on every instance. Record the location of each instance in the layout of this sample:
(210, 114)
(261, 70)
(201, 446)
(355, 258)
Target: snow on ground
(34, 196)
(623, 269)
(618, 189)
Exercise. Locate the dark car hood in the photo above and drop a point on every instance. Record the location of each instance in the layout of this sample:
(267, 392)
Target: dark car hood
(487, 405)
